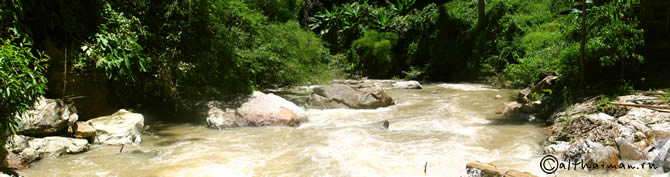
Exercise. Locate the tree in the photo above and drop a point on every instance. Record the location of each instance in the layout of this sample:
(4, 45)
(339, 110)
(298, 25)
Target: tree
(582, 44)
(481, 8)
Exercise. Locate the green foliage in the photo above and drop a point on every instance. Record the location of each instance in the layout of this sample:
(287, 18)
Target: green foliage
(539, 96)
(115, 47)
(535, 39)
(284, 54)
(10, 13)
(372, 53)
(341, 25)
(401, 6)
(277, 10)
(21, 81)
(614, 34)
(414, 73)
(604, 103)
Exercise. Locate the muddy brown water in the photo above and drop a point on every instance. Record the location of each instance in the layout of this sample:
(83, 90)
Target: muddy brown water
(445, 130)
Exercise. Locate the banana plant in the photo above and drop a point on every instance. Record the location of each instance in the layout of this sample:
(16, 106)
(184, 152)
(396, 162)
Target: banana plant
(383, 18)
(325, 20)
(401, 6)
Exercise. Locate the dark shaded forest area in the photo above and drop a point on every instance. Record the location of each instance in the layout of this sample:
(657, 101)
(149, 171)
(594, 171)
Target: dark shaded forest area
(163, 56)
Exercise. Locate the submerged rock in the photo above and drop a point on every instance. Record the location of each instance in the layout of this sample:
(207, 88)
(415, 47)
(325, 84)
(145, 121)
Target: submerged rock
(349, 94)
(407, 85)
(257, 109)
(509, 108)
(122, 127)
(48, 117)
(381, 125)
(23, 150)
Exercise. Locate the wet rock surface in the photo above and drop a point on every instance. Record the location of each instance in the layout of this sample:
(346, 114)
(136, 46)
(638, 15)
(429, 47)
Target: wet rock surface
(257, 109)
(353, 94)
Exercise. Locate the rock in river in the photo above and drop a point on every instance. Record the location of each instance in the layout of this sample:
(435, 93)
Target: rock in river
(407, 85)
(257, 109)
(81, 130)
(350, 94)
(49, 117)
(122, 127)
(23, 149)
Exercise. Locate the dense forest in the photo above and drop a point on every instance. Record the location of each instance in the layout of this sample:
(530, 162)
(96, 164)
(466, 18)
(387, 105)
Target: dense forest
(163, 56)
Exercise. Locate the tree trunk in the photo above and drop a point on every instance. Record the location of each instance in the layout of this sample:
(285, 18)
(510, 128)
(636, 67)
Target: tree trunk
(582, 45)
(481, 7)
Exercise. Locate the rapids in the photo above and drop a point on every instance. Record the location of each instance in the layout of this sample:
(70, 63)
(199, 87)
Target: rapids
(444, 130)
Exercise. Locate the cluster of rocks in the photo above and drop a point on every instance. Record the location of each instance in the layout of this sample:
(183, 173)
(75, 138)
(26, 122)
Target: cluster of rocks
(52, 128)
(261, 109)
(580, 133)
(533, 101)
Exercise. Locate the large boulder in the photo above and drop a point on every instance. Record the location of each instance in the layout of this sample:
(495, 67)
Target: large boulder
(407, 85)
(257, 109)
(48, 117)
(23, 149)
(349, 94)
(122, 127)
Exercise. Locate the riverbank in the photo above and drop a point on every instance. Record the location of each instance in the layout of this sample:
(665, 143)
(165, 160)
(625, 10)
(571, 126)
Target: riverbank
(607, 132)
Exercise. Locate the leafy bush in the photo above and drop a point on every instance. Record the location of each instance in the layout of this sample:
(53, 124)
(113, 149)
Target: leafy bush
(414, 73)
(283, 54)
(115, 47)
(372, 53)
(21, 82)
(615, 35)
(277, 10)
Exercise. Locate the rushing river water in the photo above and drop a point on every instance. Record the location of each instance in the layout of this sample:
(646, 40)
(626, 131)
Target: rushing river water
(446, 130)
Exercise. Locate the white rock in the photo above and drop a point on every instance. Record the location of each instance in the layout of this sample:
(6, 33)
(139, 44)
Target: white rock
(122, 127)
(407, 85)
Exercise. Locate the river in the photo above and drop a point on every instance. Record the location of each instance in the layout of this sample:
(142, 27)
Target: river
(439, 131)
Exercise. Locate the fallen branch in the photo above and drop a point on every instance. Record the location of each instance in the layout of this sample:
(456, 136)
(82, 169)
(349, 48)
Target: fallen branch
(642, 105)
